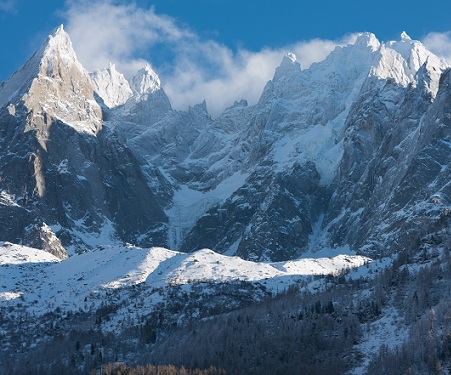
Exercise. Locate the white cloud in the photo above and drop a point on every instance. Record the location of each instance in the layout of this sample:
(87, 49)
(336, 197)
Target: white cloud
(439, 44)
(241, 75)
(104, 31)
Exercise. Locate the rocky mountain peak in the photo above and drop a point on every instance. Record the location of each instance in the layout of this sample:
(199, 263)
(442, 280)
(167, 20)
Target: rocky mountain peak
(288, 68)
(111, 86)
(401, 60)
(289, 60)
(57, 46)
(43, 61)
(145, 82)
(149, 102)
(55, 152)
(365, 40)
(405, 36)
(199, 111)
(412, 51)
(54, 85)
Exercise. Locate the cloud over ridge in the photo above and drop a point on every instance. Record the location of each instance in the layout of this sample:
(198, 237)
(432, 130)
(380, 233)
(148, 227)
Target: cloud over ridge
(439, 44)
(191, 69)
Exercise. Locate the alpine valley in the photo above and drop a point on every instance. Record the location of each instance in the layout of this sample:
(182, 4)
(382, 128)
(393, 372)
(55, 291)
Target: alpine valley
(326, 204)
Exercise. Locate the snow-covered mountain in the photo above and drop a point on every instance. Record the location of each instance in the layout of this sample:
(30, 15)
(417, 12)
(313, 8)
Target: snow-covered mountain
(62, 169)
(94, 274)
(99, 177)
(295, 151)
(323, 160)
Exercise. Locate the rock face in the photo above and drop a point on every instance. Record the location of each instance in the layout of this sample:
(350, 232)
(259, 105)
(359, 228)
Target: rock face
(377, 200)
(63, 170)
(111, 86)
(352, 152)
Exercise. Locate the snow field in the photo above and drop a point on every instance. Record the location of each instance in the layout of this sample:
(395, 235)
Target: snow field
(38, 278)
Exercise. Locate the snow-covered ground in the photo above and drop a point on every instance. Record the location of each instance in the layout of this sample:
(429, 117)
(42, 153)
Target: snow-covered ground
(385, 331)
(43, 282)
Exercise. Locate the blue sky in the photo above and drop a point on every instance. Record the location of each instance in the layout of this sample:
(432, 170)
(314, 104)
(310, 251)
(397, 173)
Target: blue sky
(220, 50)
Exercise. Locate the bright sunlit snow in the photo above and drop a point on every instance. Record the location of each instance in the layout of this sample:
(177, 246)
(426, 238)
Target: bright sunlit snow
(35, 275)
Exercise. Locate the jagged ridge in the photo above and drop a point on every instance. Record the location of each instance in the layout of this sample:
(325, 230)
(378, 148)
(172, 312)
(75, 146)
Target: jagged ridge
(323, 160)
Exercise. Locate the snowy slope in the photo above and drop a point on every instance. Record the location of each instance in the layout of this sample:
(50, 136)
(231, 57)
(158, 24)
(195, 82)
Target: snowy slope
(42, 282)
(22, 255)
